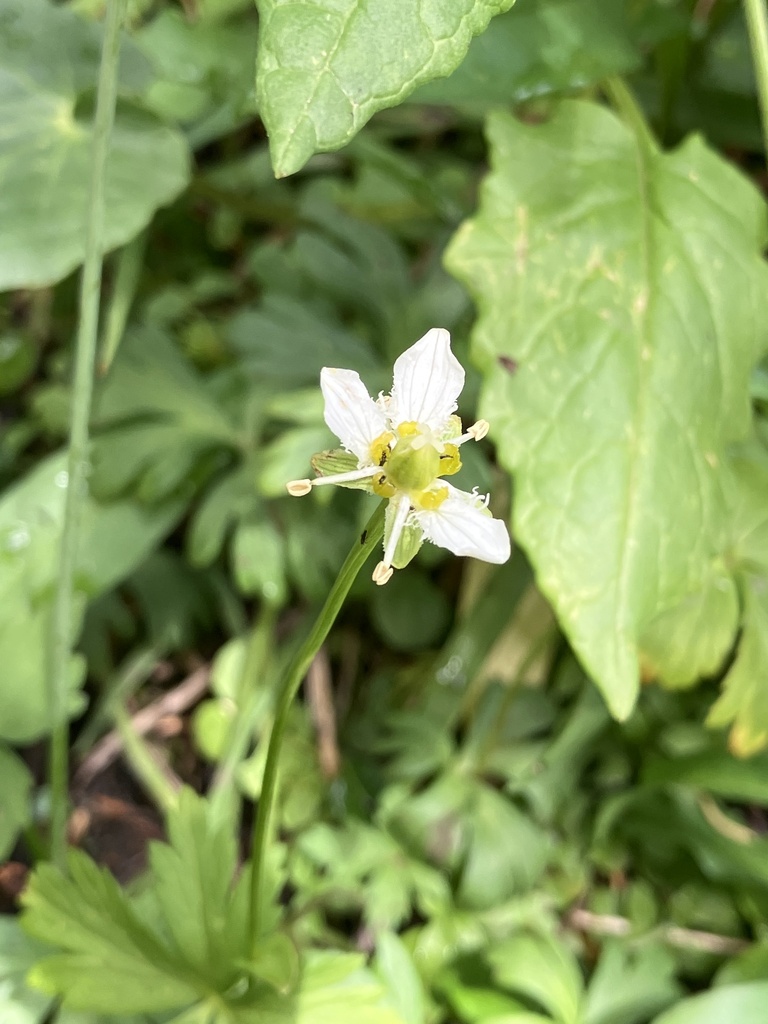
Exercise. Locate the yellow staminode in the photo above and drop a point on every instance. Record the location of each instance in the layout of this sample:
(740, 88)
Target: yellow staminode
(430, 500)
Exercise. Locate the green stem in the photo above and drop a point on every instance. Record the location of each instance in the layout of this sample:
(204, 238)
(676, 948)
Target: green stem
(251, 688)
(129, 262)
(63, 618)
(143, 763)
(294, 674)
(625, 103)
(757, 22)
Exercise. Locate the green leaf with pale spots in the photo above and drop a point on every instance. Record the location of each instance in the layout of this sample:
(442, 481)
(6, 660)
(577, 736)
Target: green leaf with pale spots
(48, 59)
(326, 66)
(620, 293)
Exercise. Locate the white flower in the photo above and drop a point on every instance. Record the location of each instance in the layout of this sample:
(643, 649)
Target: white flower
(404, 444)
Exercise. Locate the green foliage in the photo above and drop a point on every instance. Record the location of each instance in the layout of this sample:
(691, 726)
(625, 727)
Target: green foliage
(611, 312)
(357, 58)
(537, 49)
(745, 1003)
(463, 835)
(50, 61)
(115, 539)
(15, 788)
(185, 941)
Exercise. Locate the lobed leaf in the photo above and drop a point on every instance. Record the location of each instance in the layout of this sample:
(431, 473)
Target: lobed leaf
(627, 293)
(99, 936)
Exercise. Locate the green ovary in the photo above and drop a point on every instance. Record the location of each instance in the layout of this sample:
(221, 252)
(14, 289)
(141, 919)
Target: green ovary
(412, 469)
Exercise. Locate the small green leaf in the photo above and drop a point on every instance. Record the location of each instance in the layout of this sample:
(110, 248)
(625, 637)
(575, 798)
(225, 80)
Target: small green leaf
(42, 47)
(632, 323)
(628, 985)
(275, 960)
(539, 48)
(15, 791)
(542, 969)
(355, 58)
(258, 560)
(744, 700)
(337, 988)
(410, 613)
(193, 885)
(743, 1003)
(691, 640)
(395, 965)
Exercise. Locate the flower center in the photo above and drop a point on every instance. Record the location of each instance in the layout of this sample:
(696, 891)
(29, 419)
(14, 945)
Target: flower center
(411, 460)
(412, 464)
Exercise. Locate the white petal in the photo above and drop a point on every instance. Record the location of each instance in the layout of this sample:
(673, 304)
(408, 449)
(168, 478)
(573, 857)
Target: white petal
(463, 526)
(428, 379)
(350, 412)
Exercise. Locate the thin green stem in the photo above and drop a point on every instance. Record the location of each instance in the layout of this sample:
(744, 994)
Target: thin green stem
(757, 22)
(294, 674)
(625, 103)
(251, 688)
(140, 758)
(63, 617)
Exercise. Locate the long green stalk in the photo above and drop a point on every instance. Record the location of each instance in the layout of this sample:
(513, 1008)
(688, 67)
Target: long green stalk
(757, 22)
(90, 286)
(294, 674)
(625, 103)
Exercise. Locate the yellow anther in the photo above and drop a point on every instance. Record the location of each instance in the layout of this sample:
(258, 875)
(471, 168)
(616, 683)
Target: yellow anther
(298, 488)
(380, 448)
(382, 486)
(450, 460)
(408, 429)
(382, 574)
(479, 430)
(430, 500)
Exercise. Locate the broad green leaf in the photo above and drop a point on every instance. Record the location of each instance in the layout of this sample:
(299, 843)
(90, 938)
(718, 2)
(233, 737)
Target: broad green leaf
(355, 57)
(114, 539)
(715, 771)
(107, 961)
(45, 149)
(539, 48)
(743, 703)
(15, 791)
(745, 1004)
(628, 298)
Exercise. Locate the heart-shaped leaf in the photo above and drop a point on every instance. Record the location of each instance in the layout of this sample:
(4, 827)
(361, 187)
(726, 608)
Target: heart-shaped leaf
(620, 292)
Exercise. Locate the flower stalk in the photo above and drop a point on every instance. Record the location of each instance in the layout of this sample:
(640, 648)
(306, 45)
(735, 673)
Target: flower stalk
(77, 462)
(371, 538)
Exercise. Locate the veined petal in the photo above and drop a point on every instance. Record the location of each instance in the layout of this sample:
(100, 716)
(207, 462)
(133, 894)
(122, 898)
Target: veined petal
(462, 525)
(428, 379)
(350, 412)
